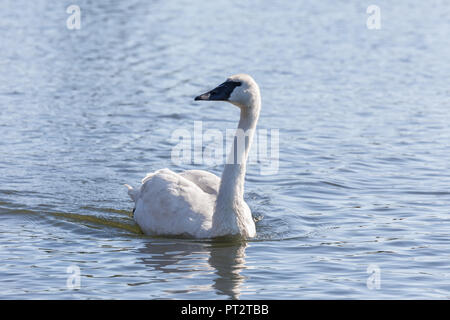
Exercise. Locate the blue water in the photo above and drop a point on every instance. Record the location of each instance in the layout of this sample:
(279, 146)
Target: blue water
(364, 154)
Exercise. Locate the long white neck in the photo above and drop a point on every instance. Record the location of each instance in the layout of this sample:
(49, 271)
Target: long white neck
(230, 215)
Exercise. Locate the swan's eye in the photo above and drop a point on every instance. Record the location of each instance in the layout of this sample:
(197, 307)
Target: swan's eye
(238, 83)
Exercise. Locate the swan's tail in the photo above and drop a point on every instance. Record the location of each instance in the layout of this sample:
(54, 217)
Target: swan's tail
(133, 193)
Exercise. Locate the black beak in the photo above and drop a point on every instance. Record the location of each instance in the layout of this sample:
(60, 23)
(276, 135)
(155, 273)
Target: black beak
(204, 96)
(221, 93)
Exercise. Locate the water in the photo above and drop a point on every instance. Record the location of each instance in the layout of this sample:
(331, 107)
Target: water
(364, 170)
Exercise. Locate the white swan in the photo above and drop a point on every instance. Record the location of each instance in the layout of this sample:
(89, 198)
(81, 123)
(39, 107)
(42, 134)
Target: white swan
(197, 203)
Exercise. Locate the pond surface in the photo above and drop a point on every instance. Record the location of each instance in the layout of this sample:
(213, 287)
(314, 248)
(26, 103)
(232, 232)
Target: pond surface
(357, 208)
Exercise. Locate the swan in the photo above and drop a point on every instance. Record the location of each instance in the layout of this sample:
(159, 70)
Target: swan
(197, 203)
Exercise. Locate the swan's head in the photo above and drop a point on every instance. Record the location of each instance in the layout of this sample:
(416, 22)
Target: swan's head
(240, 90)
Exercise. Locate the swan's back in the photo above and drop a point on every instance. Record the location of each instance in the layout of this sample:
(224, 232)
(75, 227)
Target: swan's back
(205, 180)
(177, 204)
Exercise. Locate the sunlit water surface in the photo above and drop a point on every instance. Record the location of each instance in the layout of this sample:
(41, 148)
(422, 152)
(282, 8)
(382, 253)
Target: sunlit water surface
(363, 177)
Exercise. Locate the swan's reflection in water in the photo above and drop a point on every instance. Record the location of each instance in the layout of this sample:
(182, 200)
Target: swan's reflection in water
(225, 259)
(228, 260)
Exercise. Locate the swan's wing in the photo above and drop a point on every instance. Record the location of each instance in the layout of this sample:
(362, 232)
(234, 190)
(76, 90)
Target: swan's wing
(170, 204)
(205, 180)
